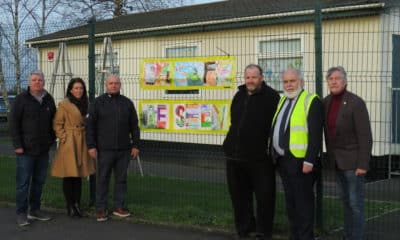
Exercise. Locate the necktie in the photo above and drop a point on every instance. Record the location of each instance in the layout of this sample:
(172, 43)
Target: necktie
(283, 124)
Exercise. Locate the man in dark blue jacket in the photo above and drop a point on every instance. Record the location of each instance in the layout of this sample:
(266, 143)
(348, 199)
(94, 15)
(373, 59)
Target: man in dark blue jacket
(113, 138)
(249, 167)
(32, 133)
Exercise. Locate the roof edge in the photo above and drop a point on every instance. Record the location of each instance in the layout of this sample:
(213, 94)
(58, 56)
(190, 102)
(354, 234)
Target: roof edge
(213, 22)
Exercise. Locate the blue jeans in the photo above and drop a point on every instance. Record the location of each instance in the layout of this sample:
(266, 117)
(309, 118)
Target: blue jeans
(31, 175)
(352, 194)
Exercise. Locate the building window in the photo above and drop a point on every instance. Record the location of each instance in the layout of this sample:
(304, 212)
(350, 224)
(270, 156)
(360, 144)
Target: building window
(275, 56)
(176, 52)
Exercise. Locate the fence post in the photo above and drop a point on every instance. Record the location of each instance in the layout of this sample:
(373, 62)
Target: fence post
(91, 56)
(318, 90)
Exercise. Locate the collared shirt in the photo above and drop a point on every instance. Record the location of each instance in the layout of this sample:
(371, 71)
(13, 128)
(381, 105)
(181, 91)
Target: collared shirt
(39, 97)
(276, 137)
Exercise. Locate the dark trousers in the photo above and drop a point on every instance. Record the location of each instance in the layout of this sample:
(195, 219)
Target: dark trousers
(72, 188)
(92, 190)
(108, 162)
(299, 196)
(245, 179)
(30, 178)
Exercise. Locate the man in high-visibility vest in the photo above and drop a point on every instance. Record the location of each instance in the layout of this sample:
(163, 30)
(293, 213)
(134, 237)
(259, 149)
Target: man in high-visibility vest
(295, 146)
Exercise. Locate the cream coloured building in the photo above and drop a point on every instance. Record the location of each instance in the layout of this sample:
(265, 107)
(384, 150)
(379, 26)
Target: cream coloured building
(362, 36)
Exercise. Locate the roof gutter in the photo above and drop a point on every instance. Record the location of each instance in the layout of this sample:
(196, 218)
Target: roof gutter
(215, 22)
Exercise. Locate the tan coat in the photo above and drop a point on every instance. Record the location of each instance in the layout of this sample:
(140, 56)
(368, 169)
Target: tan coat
(72, 158)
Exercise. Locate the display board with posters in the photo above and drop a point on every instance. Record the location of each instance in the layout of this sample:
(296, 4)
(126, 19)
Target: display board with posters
(192, 116)
(188, 73)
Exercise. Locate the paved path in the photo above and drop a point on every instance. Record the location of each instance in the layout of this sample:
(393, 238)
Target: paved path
(385, 227)
(64, 228)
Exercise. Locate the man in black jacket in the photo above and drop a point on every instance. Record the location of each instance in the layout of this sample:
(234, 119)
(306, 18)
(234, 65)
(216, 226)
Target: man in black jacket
(249, 168)
(113, 138)
(32, 133)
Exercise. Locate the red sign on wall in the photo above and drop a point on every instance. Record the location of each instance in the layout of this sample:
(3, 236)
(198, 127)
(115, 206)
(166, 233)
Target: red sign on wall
(50, 56)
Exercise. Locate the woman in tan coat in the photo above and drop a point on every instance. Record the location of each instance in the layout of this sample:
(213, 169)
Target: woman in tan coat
(72, 161)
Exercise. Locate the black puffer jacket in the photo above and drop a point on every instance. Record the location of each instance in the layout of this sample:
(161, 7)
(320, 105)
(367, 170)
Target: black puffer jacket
(112, 124)
(31, 123)
(251, 120)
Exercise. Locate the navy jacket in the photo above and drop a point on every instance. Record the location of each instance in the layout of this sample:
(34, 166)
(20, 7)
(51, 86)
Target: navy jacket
(31, 123)
(112, 124)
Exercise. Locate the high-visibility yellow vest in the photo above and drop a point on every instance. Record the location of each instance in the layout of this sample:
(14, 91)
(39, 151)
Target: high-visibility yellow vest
(298, 139)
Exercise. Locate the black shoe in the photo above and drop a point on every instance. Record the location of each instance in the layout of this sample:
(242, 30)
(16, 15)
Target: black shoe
(241, 237)
(72, 212)
(79, 211)
(261, 236)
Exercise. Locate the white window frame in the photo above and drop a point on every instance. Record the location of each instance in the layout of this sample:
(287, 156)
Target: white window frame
(289, 37)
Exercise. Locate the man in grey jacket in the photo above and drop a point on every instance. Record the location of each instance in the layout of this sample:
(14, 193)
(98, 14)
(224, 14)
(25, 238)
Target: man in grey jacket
(349, 144)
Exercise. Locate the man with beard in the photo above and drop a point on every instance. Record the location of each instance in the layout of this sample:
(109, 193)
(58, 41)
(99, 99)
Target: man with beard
(249, 168)
(296, 144)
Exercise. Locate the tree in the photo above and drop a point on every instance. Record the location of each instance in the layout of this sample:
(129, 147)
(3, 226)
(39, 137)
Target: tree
(42, 11)
(15, 14)
(29, 17)
(104, 9)
(35, 15)
(3, 86)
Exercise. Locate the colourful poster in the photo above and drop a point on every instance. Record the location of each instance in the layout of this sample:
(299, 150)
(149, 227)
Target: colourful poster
(188, 73)
(193, 120)
(157, 74)
(219, 116)
(180, 116)
(206, 116)
(187, 116)
(218, 73)
(154, 116)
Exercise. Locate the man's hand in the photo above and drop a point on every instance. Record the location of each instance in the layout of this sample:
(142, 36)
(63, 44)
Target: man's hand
(307, 168)
(19, 150)
(360, 172)
(93, 153)
(134, 152)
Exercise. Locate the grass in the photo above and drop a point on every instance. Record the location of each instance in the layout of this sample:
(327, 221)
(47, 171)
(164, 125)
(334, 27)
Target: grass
(181, 202)
(4, 140)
